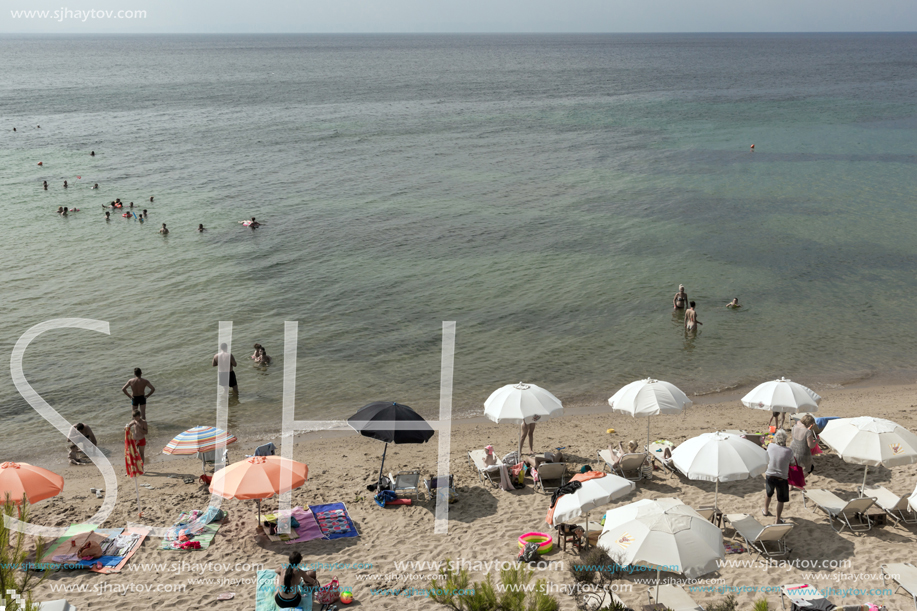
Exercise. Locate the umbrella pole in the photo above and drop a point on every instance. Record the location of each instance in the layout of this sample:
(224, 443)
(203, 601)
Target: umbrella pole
(381, 468)
(648, 434)
(258, 502)
(863, 487)
(716, 492)
(587, 530)
(521, 439)
(657, 585)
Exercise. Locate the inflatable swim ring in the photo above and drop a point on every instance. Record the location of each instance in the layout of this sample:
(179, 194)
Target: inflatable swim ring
(544, 540)
(126, 215)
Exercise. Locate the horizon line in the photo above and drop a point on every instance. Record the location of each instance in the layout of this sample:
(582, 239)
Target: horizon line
(461, 33)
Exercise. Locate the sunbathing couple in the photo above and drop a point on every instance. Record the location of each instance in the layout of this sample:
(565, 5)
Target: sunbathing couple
(293, 583)
(618, 454)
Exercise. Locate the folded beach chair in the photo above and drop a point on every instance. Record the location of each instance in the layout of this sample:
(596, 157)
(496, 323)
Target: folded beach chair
(630, 467)
(485, 471)
(673, 598)
(406, 482)
(268, 449)
(758, 536)
(841, 510)
(656, 450)
(550, 471)
(897, 507)
(905, 575)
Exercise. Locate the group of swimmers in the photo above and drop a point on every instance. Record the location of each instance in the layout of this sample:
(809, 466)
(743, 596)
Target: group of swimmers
(680, 302)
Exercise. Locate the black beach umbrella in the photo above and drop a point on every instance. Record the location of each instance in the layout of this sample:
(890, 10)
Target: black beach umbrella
(392, 423)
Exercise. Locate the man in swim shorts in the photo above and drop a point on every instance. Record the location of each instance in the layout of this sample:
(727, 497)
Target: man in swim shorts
(691, 321)
(681, 298)
(138, 386)
(226, 361)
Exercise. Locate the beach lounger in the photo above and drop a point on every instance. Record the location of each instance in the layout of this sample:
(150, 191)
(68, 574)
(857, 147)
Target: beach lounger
(843, 511)
(630, 467)
(897, 507)
(406, 482)
(550, 471)
(209, 458)
(711, 514)
(656, 451)
(673, 598)
(759, 536)
(485, 471)
(905, 575)
(802, 592)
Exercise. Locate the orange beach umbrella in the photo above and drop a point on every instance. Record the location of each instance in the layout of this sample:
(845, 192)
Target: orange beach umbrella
(258, 477)
(37, 484)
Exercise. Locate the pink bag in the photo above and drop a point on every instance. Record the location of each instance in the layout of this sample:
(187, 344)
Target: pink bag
(797, 477)
(330, 593)
(816, 449)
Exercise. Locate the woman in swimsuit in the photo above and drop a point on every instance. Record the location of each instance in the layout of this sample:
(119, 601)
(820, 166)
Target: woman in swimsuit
(681, 298)
(294, 582)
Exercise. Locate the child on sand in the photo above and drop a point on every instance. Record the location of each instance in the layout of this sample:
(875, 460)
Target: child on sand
(138, 427)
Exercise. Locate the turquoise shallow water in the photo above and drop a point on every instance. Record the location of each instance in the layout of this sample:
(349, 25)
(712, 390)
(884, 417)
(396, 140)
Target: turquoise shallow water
(548, 193)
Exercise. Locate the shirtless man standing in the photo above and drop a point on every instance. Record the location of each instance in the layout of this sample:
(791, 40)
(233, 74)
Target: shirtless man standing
(227, 358)
(138, 385)
(691, 321)
(681, 298)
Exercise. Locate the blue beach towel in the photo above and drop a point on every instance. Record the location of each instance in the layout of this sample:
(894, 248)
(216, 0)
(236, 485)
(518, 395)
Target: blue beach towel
(267, 587)
(334, 520)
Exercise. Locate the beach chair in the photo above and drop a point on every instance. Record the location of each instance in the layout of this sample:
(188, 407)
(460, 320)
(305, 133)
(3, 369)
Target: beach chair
(406, 482)
(630, 467)
(905, 575)
(896, 507)
(843, 511)
(485, 471)
(673, 598)
(656, 451)
(802, 592)
(551, 471)
(759, 536)
(268, 449)
(436, 481)
(711, 514)
(209, 458)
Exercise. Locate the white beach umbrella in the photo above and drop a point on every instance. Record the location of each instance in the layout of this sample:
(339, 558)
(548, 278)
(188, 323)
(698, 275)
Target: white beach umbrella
(913, 500)
(782, 396)
(522, 403)
(592, 494)
(871, 442)
(719, 457)
(663, 534)
(646, 398)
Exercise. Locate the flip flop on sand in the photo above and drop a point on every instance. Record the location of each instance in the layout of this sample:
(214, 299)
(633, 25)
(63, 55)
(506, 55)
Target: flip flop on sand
(766, 513)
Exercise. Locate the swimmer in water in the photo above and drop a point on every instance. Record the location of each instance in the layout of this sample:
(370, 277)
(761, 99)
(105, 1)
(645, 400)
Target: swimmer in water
(681, 298)
(164, 231)
(200, 228)
(132, 204)
(92, 153)
(144, 212)
(41, 163)
(95, 186)
(253, 223)
(151, 199)
(64, 211)
(691, 321)
(60, 209)
(107, 215)
(14, 129)
(45, 185)
(65, 184)
(117, 200)
(734, 303)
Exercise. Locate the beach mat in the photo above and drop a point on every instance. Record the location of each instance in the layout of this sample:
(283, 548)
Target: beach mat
(267, 587)
(272, 517)
(308, 527)
(334, 521)
(205, 538)
(72, 563)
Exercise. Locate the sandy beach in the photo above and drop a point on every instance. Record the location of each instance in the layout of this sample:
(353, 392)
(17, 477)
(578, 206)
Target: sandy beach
(485, 522)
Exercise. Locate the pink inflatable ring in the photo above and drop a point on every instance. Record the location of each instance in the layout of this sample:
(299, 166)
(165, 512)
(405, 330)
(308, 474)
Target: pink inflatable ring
(544, 541)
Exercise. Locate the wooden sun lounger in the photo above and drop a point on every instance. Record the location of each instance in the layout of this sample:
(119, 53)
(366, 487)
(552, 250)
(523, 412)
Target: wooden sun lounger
(897, 507)
(630, 467)
(842, 511)
(758, 536)
(673, 598)
(905, 575)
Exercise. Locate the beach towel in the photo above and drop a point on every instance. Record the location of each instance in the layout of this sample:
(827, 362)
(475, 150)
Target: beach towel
(334, 521)
(64, 553)
(265, 589)
(308, 527)
(122, 548)
(278, 537)
(201, 534)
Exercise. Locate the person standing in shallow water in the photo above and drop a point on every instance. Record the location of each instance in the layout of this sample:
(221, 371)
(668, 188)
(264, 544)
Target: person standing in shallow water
(691, 321)
(680, 301)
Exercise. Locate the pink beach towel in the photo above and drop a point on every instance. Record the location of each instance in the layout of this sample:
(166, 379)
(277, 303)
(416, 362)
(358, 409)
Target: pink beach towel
(308, 528)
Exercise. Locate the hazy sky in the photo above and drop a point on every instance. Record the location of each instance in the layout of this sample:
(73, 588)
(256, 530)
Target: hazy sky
(212, 16)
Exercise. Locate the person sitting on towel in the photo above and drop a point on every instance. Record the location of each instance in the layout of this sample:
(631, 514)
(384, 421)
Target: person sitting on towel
(294, 582)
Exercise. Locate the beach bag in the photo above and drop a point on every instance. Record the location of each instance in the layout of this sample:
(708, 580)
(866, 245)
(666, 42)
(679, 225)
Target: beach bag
(797, 478)
(330, 593)
(89, 550)
(816, 449)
